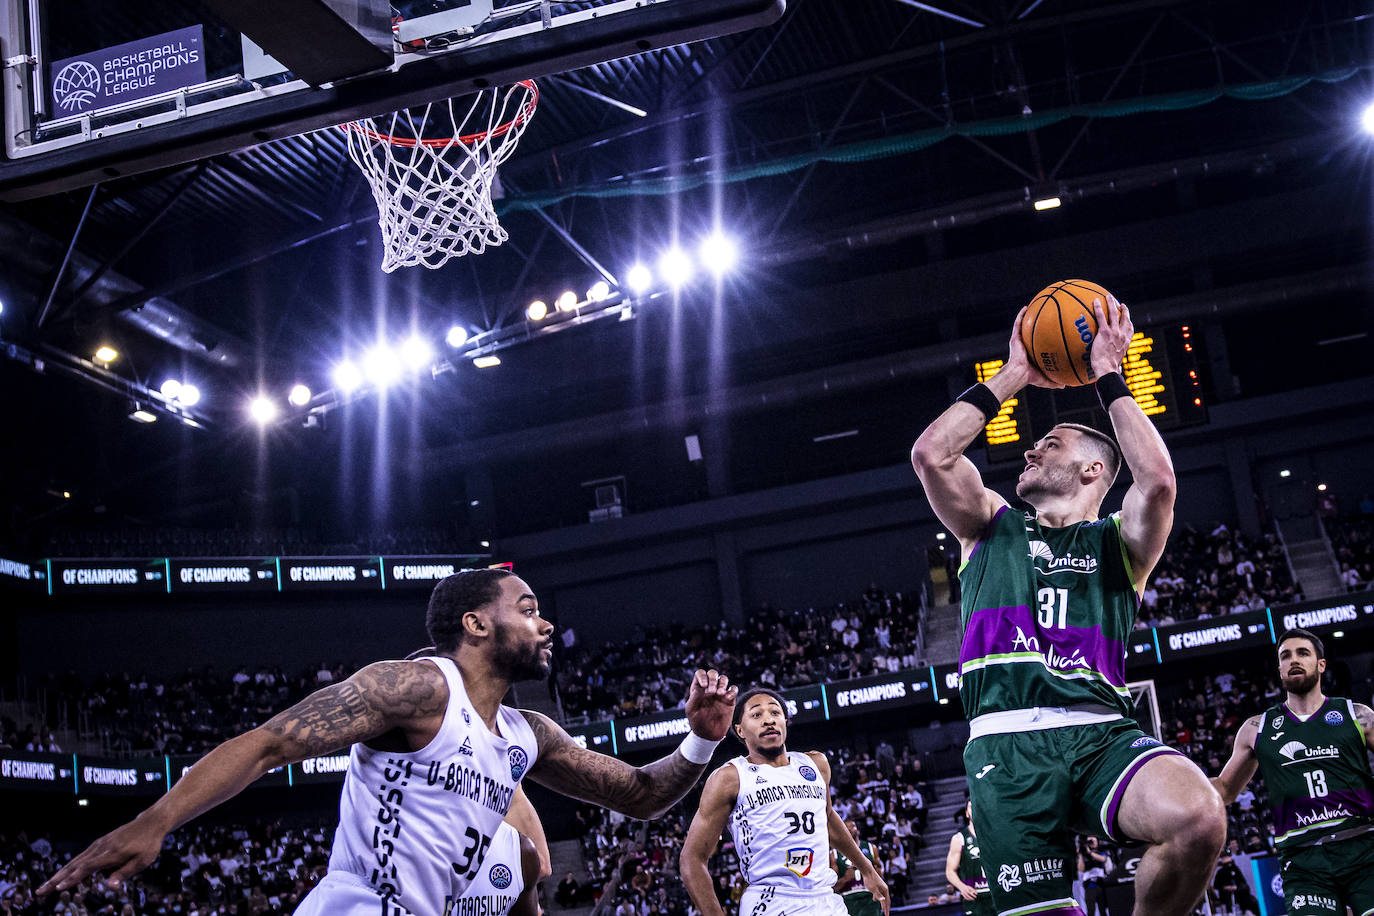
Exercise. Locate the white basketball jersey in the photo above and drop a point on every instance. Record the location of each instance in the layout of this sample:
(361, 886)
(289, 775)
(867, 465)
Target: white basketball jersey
(779, 825)
(417, 826)
(500, 881)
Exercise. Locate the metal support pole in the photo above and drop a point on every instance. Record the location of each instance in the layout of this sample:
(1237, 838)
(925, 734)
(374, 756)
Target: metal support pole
(62, 268)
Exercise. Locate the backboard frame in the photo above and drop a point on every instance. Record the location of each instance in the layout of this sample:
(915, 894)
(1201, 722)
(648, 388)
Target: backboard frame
(188, 124)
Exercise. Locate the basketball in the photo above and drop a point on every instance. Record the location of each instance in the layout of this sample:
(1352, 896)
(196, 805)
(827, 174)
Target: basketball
(1058, 330)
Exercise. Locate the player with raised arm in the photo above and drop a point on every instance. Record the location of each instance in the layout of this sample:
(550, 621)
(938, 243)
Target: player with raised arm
(777, 805)
(435, 759)
(1312, 751)
(964, 868)
(1049, 599)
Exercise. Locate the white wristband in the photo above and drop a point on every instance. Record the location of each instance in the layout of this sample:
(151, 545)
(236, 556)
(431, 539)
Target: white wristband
(697, 749)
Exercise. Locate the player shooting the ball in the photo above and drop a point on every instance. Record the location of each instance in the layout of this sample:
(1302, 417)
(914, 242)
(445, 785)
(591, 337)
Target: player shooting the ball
(1049, 598)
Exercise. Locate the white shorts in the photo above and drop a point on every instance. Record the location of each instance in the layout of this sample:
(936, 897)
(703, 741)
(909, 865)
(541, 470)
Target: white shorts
(342, 894)
(761, 900)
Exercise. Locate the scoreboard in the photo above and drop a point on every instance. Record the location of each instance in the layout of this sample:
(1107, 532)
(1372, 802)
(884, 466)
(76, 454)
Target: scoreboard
(1161, 373)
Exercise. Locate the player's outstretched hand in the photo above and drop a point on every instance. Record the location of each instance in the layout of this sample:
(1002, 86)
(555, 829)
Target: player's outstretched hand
(710, 704)
(876, 886)
(1019, 362)
(123, 852)
(1113, 338)
(968, 893)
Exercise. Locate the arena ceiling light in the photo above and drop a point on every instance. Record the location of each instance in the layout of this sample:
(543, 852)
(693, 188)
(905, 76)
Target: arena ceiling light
(416, 352)
(675, 267)
(566, 301)
(1047, 203)
(638, 278)
(299, 396)
(141, 414)
(171, 389)
(487, 362)
(381, 365)
(719, 253)
(456, 336)
(1367, 118)
(189, 396)
(348, 378)
(598, 291)
(263, 410)
(106, 354)
(537, 310)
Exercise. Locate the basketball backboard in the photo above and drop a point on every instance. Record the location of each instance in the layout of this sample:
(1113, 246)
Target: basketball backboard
(94, 90)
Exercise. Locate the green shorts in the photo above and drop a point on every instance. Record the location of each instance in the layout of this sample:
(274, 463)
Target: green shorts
(980, 906)
(1324, 880)
(861, 903)
(1033, 791)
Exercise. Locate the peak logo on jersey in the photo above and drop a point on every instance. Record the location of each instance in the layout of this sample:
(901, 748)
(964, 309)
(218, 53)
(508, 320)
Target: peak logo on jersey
(799, 861)
(1039, 550)
(807, 773)
(499, 876)
(1144, 741)
(1009, 877)
(1333, 718)
(466, 748)
(519, 760)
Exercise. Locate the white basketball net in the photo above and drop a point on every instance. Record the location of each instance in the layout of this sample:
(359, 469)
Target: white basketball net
(432, 179)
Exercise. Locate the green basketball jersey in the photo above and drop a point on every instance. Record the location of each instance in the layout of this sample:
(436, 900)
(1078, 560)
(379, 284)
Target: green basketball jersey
(842, 864)
(1046, 615)
(1315, 771)
(970, 870)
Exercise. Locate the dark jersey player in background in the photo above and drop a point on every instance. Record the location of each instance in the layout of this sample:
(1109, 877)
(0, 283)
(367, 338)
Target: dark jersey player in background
(1049, 599)
(858, 900)
(964, 868)
(1312, 752)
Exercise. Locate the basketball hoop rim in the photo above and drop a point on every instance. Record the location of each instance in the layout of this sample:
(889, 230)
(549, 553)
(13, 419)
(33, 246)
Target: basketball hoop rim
(525, 113)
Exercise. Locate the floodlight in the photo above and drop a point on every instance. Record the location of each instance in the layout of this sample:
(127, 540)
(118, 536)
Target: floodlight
(142, 415)
(416, 352)
(299, 396)
(189, 396)
(536, 310)
(262, 410)
(381, 365)
(566, 301)
(347, 377)
(457, 336)
(638, 278)
(1367, 119)
(171, 389)
(106, 354)
(598, 291)
(1047, 203)
(719, 253)
(487, 362)
(675, 267)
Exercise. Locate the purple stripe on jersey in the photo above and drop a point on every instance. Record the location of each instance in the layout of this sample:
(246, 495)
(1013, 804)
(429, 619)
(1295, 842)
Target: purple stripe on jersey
(987, 533)
(1114, 804)
(1060, 911)
(999, 630)
(1297, 813)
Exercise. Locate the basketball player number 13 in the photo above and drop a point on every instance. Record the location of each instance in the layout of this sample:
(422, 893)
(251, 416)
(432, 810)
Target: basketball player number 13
(1047, 597)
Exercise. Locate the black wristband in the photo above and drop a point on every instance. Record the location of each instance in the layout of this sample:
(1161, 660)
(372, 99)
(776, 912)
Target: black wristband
(1110, 387)
(981, 396)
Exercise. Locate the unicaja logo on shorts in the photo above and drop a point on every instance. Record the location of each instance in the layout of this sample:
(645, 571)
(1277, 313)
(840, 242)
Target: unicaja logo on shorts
(807, 773)
(1009, 877)
(519, 760)
(799, 861)
(76, 86)
(1333, 718)
(499, 876)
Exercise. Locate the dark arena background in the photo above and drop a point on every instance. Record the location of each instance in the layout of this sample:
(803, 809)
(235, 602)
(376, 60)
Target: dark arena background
(748, 262)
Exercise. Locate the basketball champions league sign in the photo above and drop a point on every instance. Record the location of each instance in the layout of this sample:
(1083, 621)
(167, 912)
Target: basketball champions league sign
(128, 72)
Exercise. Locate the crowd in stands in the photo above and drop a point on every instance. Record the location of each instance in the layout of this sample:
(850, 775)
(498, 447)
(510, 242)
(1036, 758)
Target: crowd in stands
(164, 541)
(633, 865)
(1352, 542)
(1215, 573)
(262, 869)
(649, 671)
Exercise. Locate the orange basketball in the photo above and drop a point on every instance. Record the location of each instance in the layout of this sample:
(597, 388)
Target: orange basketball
(1058, 330)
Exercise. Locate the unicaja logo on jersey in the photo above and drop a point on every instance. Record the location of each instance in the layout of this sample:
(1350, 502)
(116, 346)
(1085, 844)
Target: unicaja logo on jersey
(799, 861)
(1009, 877)
(76, 86)
(807, 773)
(1297, 752)
(1333, 718)
(1039, 550)
(519, 760)
(499, 876)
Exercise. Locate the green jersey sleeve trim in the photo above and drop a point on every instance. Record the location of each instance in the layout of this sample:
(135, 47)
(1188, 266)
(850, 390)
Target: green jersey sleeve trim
(1350, 706)
(1121, 543)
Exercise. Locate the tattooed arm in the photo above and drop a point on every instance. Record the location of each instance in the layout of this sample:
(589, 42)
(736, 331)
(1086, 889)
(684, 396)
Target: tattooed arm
(641, 792)
(1364, 717)
(410, 696)
(1242, 765)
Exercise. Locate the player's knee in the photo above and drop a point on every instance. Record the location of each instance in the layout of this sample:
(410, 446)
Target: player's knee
(1202, 830)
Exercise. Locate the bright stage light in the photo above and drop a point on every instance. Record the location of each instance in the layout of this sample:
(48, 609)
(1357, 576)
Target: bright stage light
(536, 310)
(381, 365)
(456, 336)
(416, 352)
(347, 377)
(719, 253)
(1367, 119)
(142, 415)
(262, 410)
(487, 362)
(566, 301)
(675, 267)
(106, 354)
(299, 396)
(171, 389)
(189, 396)
(638, 278)
(1047, 203)
(598, 291)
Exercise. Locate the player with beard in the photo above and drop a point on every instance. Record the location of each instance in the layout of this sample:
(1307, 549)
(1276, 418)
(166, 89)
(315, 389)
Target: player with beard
(778, 807)
(435, 759)
(1312, 751)
(1050, 597)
